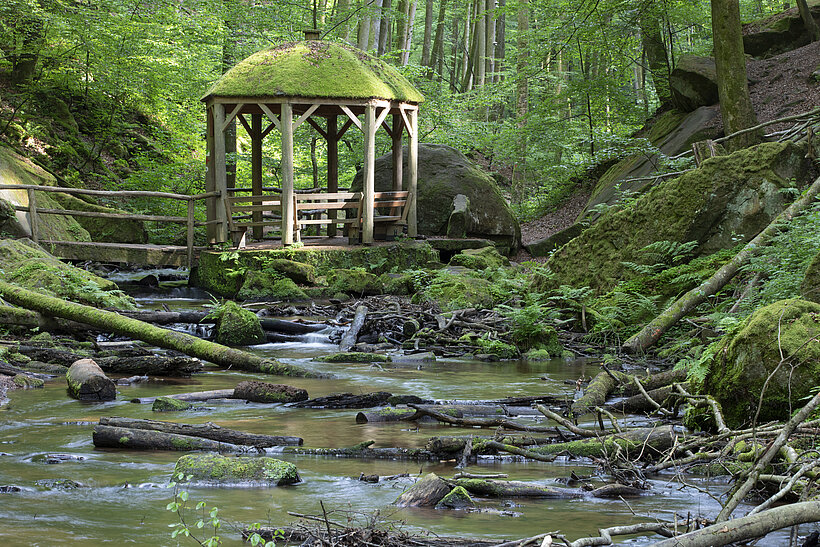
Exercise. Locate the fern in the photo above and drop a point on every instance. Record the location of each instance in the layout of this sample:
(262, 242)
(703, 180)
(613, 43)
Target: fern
(662, 255)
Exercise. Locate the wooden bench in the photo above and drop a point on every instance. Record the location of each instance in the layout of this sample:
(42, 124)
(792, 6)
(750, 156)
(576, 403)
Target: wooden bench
(240, 217)
(320, 204)
(390, 216)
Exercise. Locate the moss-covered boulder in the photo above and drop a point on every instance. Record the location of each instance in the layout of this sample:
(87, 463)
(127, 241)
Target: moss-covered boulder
(169, 404)
(693, 82)
(26, 264)
(778, 33)
(115, 230)
(781, 340)
(728, 200)
(398, 284)
(810, 287)
(498, 348)
(228, 469)
(444, 173)
(299, 272)
(355, 282)
(480, 259)
(456, 292)
(458, 498)
(262, 285)
(236, 326)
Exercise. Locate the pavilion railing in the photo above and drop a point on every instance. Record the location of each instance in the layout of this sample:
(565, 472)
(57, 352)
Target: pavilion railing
(190, 221)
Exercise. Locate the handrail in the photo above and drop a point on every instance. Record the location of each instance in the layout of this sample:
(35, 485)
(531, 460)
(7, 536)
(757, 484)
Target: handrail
(189, 220)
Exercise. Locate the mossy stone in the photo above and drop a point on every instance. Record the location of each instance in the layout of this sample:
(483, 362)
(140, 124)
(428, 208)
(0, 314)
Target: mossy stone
(458, 498)
(236, 326)
(227, 469)
(25, 381)
(264, 285)
(169, 404)
(397, 284)
(500, 349)
(301, 273)
(480, 259)
(355, 282)
(354, 357)
(788, 329)
(810, 287)
(456, 292)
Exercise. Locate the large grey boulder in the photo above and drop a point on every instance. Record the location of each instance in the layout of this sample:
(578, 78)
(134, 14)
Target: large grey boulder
(694, 83)
(444, 172)
(777, 33)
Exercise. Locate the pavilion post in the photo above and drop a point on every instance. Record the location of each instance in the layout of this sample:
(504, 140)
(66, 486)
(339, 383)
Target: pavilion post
(369, 172)
(210, 181)
(256, 168)
(398, 131)
(332, 167)
(220, 173)
(413, 172)
(286, 123)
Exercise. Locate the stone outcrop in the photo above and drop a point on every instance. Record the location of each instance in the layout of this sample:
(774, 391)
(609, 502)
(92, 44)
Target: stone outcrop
(693, 83)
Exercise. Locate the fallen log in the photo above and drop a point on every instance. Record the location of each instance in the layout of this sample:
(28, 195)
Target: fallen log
(346, 400)
(11, 370)
(595, 394)
(205, 431)
(491, 488)
(426, 492)
(653, 331)
(364, 452)
(393, 414)
(427, 410)
(639, 404)
(349, 338)
(151, 365)
(264, 392)
(143, 439)
(652, 381)
(384, 415)
(50, 355)
(113, 322)
(87, 382)
(171, 317)
(194, 396)
(646, 441)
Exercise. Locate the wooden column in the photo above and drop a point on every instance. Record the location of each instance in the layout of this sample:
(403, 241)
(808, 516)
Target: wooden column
(369, 129)
(256, 168)
(398, 131)
(220, 173)
(33, 219)
(210, 182)
(286, 123)
(413, 171)
(332, 167)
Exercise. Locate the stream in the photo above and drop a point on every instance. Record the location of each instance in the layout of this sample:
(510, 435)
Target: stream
(123, 494)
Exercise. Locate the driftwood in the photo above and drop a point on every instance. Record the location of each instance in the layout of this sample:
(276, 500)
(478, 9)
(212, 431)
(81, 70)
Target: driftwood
(113, 322)
(644, 441)
(492, 488)
(151, 365)
(639, 404)
(50, 355)
(352, 334)
(363, 451)
(194, 396)
(204, 431)
(653, 331)
(384, 415)
(650, 382)
(427, 410)
(144, 439)
(393, 414)
(11, 370)
(87, 382)
(347, 400)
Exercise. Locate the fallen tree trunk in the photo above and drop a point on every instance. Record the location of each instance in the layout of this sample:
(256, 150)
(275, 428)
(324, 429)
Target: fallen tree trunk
(205, 431)
(87, 382)
(652, 381)
(144, 439)
(491, 488)
(113, 322)
(171, 317)
(639, 404)
(653, 331)
(366, 453)
(151, 365)
(647, 441)
(352, 334)
(748, 527)
(11, 370)
(427, 410)
(264, 392)
(194, 396)
(595, 394)
(427, 492)
(347, 400)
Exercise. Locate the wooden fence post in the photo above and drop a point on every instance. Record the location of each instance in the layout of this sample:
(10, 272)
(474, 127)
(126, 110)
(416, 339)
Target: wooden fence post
(32, 215)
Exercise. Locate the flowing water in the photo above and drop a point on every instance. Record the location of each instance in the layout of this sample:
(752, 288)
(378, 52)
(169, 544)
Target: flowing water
(123, 494)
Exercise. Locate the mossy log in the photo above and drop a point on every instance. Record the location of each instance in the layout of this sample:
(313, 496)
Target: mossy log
(144, 439)
(151, 365)
(366, 453)
(264, 392)
(50, 355)
(491, 488)
(384, 415)
(427, 492)
(194, 396)
(431, 410)
(347, 400)
(352, 334)
(650, 382)
(616, 491)
(224, 469)
(595, 394)
(653, 331)
(647, 441)
(170, 317)
(450, 447)
(204, 431)
(87, 382)
(113, 322)
(638, 404)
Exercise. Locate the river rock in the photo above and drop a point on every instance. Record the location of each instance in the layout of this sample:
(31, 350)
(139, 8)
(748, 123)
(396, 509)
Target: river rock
(427, 492)
(444, 173)
(693, 83)
(236, 326)
(480, 259)
(299, 272)
(264, 392)
(167, 404)
(226, 469)
(744, 363)
(457, 498)
(355, 282)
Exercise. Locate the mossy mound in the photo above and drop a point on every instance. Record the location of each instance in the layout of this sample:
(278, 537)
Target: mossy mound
(480, 259)
(458, 498)
(354, 357)
(315, 68)
(168, 404)
(264, 285)
(115, 230)
(397, 284)
(726, 199)
(355, 282)
(26, 382)
(236, 326)
(303, 274)
(500, 349)
(810, 287)
(226, 469)
(744, 363)
(25, 264)
(456, 292)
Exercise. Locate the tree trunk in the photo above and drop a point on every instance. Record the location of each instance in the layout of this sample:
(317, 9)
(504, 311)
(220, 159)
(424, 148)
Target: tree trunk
(349, 338)
(522, 92)
(489, 41)
(151, 365)
(112, 322)
(347, 400)
(264, 392)
(375, 28)
(193, 396)
(491, 488)
(808, 20)
(87, 382)
(363, 36)
(653, 331)
(384, 35)
(203, 431)
(595, 394)
(143, 439)
(426, 45)
(427, 492)
(647, 441)
(500, 42)
(437, 55)
(408, 36)
(730, 61)
(656, 54)
(342, 9)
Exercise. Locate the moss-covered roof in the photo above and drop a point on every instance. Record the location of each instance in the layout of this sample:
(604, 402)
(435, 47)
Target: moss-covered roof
(314, 69)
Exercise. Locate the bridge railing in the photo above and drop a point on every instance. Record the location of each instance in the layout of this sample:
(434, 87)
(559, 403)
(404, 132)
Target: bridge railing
(190, 221)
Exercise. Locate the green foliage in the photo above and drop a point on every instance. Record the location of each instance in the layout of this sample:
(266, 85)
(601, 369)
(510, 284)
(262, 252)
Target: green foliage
(661, 255)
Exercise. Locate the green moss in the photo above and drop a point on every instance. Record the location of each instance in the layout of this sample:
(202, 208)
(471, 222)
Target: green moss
(457, 498)
(498, 348)
(354, 357)
(398, 284)
(479, 259)
(263, 286)
(299, 272)
(810, 287)
(538, 355)
(213, 467)
(455, 292)
(236, 326)
(315, 69)
(25, 381)
(124, 440)
(168, 404)
(787, 331)
(355, 282)
(115, 230)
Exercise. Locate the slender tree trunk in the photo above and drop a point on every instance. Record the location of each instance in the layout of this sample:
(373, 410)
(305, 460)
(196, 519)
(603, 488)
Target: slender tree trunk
(408, 37)
(24, 59)
(384, 35)
(438, 42)
(426, 45)
(401, 25)
(655, 49)
(465, 46)
(730, 60)
(229, 54)
(808, 20)
(480, 69)
(376, 25)
(342, 9)
(489, 42)
(363, 36)
(500, 41)
(522, 93)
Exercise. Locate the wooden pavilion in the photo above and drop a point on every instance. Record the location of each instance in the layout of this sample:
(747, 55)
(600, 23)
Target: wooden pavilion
(307, 80)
